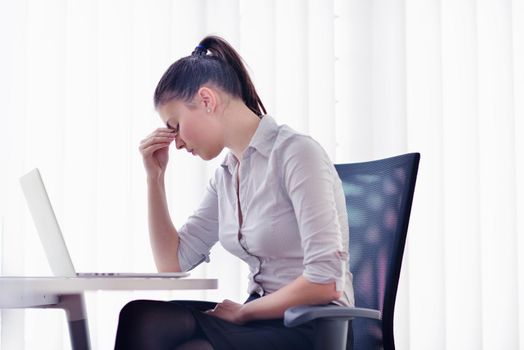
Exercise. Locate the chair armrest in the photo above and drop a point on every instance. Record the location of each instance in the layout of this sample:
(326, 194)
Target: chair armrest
(297, 315)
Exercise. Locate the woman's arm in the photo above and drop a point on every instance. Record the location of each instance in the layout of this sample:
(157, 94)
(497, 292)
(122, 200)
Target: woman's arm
(162, 233)
(183, 249)
(299, 292)
(272, 306)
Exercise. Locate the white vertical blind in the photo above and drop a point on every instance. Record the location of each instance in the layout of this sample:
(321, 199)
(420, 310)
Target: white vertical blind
(425, 134)
(517, 22)
(320, 73)
(460, 168)
(367, 79)
(291, 61)
(497, 173)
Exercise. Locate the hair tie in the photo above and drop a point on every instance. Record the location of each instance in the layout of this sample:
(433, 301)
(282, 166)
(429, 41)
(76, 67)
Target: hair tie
(199, 50)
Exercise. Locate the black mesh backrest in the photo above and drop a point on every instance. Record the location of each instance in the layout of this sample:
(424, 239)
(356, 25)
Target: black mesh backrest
(378, 199)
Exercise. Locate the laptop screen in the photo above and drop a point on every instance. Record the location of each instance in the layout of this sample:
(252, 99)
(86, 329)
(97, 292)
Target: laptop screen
(47, 224)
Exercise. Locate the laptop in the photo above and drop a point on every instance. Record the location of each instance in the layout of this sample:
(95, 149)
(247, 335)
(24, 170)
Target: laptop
(52, 239)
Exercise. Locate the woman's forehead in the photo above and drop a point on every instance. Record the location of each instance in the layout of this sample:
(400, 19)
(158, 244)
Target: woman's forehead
(169, 110)
(172, 111)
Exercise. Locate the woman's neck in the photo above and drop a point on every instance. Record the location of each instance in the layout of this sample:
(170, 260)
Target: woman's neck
(240, 124)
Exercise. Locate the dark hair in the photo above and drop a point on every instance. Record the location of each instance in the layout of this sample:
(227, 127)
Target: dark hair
(222, 67)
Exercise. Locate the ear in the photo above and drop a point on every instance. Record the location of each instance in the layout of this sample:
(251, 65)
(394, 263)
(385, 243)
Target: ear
(208, 99)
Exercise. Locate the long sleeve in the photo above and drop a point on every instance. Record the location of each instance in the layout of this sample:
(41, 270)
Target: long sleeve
(200, 232)
(314, 189)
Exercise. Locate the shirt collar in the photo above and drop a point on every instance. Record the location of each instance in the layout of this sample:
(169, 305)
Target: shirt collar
(262, 141)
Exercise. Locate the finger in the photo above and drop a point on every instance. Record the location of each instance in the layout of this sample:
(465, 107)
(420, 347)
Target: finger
(162, 135)
(155, 140)
(212, 313)
(146, 152)
(159, 131)
(163, 130)
(229, 303)
(157, 145)
(219, 307)
(153, 143)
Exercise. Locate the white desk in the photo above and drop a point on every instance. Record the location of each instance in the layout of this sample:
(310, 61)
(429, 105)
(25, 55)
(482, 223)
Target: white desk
(67, 293)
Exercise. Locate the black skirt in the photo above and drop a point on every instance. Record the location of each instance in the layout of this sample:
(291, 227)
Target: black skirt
(256, 335)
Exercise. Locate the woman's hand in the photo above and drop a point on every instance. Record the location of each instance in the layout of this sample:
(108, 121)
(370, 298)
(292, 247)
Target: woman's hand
(228, 310)
(154, 149)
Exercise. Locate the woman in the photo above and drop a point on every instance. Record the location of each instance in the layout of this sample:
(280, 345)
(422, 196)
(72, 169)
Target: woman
(276, 202)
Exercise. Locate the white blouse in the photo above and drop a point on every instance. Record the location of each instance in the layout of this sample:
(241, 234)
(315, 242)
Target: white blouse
(292, 219)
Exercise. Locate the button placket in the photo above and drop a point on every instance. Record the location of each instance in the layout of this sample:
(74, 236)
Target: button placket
(241, 238)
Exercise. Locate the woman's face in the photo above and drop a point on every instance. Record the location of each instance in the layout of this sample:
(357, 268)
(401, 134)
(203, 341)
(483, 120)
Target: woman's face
(198, 131)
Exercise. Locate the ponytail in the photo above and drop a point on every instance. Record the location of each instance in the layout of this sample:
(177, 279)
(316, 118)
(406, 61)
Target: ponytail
(223, 67)
(226, 53)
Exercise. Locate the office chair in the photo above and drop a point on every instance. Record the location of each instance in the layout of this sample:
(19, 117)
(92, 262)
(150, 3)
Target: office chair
(378, 199)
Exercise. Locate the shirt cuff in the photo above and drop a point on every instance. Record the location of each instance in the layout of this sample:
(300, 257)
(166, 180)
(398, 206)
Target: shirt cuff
(328, 271)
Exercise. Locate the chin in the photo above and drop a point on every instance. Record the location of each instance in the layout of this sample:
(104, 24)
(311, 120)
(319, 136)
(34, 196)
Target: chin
(209, 156)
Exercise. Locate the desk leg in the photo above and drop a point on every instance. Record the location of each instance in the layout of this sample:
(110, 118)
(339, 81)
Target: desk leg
(74, 306)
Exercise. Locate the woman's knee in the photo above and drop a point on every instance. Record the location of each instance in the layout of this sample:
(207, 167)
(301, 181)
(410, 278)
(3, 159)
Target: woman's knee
(151, 324)
(133, 310)
(153, 314)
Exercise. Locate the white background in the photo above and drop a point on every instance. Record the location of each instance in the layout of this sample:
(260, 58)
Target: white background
(366, 78)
